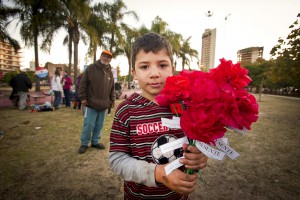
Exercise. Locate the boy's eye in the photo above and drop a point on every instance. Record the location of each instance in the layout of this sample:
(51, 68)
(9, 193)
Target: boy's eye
(144, 67)
(163, 65)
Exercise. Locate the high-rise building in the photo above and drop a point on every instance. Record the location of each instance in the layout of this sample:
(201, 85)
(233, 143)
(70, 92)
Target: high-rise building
(249, 55)
(208, 48)
(9, 59)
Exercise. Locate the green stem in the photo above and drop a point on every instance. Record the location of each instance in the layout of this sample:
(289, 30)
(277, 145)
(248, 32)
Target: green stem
(191, 171)
(175, 110)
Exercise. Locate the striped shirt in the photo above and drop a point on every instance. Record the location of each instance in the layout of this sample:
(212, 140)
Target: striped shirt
(137, 124)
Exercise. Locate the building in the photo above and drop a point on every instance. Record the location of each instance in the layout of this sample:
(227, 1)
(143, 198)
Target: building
(250, 55)
(208, 48)
(9, 59)
(52, 67)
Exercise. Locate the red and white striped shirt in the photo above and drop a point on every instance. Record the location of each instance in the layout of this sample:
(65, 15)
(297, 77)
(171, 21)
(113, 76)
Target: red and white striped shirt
(137, 124)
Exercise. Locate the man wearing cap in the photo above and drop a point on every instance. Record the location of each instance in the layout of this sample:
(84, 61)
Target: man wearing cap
(97, 93)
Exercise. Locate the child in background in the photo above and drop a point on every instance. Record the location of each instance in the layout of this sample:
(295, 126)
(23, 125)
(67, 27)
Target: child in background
(130, 140)
(67, 83)
(77, 103)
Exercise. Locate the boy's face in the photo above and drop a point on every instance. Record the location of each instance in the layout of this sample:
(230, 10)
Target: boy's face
(151, 71)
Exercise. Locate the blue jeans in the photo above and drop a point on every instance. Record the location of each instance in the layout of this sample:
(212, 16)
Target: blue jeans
(67, 97)
(92, 126)
(57, 96)
(23, 99)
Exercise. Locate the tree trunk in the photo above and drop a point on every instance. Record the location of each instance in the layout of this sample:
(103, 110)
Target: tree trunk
(70, 51)
(129, 73)
(76, 42)
(75, 62)
(36, 60)
(112, 41)
(260, 89)
(95, 52)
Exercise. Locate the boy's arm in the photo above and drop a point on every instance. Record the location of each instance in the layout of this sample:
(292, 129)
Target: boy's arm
(131, 169)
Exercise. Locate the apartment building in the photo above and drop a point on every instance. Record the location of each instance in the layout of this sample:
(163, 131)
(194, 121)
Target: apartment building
(9, 59)
(208, 48)
(250, 55)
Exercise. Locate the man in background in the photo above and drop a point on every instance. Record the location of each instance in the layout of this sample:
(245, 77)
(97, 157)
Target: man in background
(97, 93)
(21, 84)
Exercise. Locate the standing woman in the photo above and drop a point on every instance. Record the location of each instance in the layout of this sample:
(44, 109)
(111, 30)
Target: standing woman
(56, 87)
(67, 83)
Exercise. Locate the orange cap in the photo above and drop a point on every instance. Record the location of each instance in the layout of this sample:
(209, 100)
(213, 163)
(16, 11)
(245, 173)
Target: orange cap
(107, 52)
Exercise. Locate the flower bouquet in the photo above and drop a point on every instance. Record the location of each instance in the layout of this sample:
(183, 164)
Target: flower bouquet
(209, 103)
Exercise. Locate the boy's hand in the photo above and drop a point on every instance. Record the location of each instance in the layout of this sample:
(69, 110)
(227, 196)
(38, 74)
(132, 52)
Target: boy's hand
(193, 158)
(177, 180)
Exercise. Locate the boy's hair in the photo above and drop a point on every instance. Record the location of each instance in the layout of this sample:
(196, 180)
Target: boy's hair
(150, 42)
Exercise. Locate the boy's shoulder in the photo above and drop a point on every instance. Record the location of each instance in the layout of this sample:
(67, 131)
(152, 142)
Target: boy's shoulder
(130, 101)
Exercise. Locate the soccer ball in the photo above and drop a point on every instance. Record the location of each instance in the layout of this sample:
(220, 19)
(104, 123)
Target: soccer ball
(167, 157)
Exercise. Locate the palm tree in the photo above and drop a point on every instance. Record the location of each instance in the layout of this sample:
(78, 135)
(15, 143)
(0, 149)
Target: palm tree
(75, 15)
(186, 52)
(98, 29)
(6, 14)
(116, 13)
(161, 27)
(130, 35)
(36, 18)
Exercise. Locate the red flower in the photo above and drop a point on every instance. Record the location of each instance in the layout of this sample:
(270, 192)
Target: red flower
(232, 74)
(213, 100)
(248, 108)
(202, 125)
(177, 88)
(176, 108)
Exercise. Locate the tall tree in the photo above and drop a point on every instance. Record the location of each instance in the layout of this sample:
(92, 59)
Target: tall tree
(7, 14)
(181, 47)
(98, 30)
(130, 35)
(116, 12)
(75, 15)
(186, 52)
(36, 19)
(286, 57)
(159, 26)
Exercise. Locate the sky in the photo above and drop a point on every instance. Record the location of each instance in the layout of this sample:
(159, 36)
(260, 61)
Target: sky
(249, 23)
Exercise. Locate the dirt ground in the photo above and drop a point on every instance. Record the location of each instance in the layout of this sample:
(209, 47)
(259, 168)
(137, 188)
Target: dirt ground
(39, 159)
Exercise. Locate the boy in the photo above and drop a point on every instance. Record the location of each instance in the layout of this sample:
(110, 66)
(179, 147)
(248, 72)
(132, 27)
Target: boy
(131, 140)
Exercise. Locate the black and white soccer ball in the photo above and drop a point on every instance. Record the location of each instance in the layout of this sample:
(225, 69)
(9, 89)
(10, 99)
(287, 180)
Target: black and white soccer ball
(167, 157)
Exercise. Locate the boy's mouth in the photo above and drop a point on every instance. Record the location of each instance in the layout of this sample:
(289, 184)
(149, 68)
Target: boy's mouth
(155, 85)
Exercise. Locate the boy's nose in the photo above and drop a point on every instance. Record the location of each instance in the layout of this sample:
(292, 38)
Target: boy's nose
(154, 71)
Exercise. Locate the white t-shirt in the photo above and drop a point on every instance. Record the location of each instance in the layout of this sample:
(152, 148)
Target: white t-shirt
(56, 83)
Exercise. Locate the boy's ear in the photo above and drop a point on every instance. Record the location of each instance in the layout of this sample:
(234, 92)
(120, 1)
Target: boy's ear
(133, 74)
(173, 70)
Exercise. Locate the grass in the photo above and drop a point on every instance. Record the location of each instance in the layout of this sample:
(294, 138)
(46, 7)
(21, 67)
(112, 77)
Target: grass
(44, 163)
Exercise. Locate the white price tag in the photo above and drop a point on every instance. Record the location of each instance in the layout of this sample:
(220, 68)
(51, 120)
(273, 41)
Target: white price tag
(171, 123)
(209, 151)
(225, 140)
(173, 145)
(172, 166)
(231, 153)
